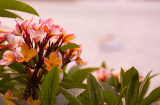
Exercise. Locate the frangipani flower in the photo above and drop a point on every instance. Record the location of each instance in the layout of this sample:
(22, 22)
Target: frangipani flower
(78, 59)
(24, 24)
(14, 41)
(17, 31)
(38, 35)
(103, 74)
(27, 53)
(52, 61)
(8, 95)
(8, 57)
(68, 37)
(33, 102)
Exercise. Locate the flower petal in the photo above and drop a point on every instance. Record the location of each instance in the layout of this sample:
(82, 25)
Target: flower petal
(69, 37)
(48, 68)
(30, 100)
(20, 59)
(3, 62)
(47, 62)
(17, 31)
(36, 102)
(8, 55)
(24, 49)
(52, 57)
(26, 23)
(57, 61)
(35, 26)
(33, 52)
(11, 39)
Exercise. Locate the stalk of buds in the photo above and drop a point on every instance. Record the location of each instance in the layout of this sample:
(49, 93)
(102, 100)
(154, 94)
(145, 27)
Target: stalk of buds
(38, 47)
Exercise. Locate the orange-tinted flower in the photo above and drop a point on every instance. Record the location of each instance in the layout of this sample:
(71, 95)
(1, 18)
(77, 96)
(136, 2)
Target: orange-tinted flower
(52, 61)
(8, 95)
(68, 38)
(78, 59)
(33, 102)
(27, 53)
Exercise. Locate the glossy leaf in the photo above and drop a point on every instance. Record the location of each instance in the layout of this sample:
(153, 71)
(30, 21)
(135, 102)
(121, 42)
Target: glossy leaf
(17, 5)
(143, 87)
(5, 13)
(70, 86)
(80, 75)
(118, 101)
(113, 82)
(128, 75)
(94, 90)
(69, 96)
(108, 87)
(153, 96)
(17, 67)
(121, 77)
(69, 46)
(50, 87)
(109, 97)
(132, 91)
(73, 68)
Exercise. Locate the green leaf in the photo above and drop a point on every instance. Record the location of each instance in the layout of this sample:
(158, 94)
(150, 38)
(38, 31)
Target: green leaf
(73, 68)
(121, 77)
(109, 97)
(113, 82)
(7, 85)
(80, 75)
(94, 90)
(69, 96)
(132, 91)
(69, 46)
(135, 91)
(70, 86)
(18, 67)
(13, 76)
(153, 96)
(50, 87)
(128, 76)
(153, 75)
(67, 80)
(2, 101)
(143, 83)
(84, 96)
(5, 13)
(143, 87)
(19, 102)
(103, 65)
(120, 96)
(17, 5)
(108, 87)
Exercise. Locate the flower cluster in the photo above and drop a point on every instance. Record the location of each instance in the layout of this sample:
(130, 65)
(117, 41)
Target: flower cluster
(38, 47)
(103, 74)
(36, 41)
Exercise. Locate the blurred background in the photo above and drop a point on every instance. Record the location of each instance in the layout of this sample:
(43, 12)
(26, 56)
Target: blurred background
(123, 33)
